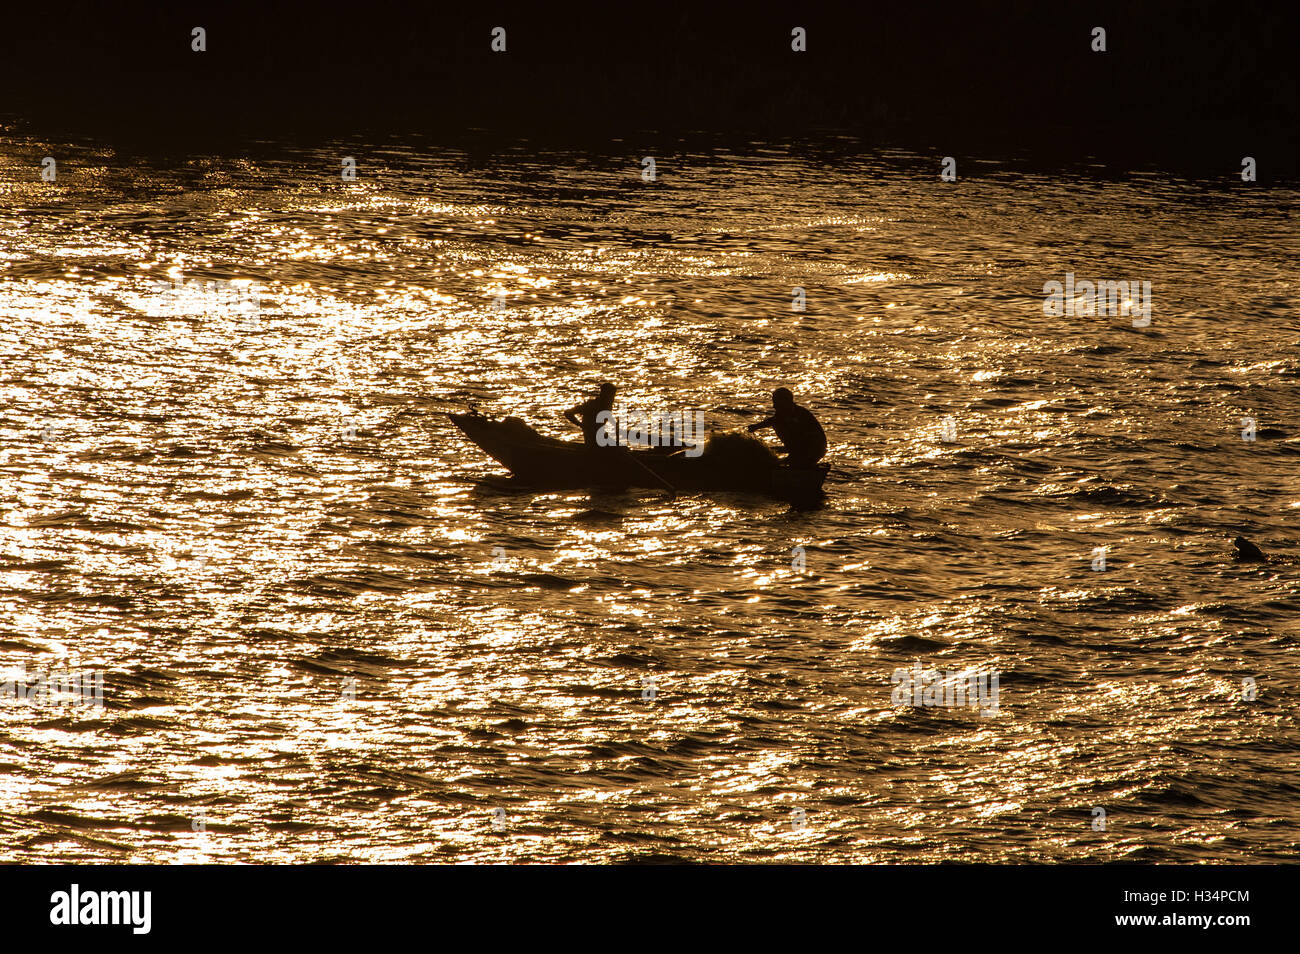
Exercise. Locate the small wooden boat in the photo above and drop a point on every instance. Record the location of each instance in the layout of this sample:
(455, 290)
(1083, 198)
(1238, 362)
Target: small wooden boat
(548, 463)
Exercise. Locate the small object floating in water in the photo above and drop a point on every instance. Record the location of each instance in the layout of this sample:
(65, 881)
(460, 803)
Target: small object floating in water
(1248, 552)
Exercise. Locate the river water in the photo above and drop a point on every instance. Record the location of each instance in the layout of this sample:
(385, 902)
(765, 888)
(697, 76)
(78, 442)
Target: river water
(323, 637)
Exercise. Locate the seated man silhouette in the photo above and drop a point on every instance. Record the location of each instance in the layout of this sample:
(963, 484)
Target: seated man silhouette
(587, 414)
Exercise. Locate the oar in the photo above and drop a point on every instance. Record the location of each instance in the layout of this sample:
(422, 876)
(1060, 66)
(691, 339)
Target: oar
(658, 479)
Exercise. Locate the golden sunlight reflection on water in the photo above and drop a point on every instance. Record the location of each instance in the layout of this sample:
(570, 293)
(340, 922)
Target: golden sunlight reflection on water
(326, 635)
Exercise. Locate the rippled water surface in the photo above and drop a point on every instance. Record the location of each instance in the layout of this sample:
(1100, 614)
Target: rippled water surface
(325, 638)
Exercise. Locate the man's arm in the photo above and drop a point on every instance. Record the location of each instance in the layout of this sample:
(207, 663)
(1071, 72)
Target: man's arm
(571, 415)
(762, 424)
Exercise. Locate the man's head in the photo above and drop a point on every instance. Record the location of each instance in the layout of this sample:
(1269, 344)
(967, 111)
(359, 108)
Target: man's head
(607, 391)
(782, 398)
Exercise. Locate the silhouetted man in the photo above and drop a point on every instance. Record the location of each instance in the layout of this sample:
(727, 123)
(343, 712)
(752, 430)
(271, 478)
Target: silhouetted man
(798, 430)
(585, 415)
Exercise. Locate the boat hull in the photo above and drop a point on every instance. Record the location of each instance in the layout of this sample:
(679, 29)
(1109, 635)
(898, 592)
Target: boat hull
(551, 464)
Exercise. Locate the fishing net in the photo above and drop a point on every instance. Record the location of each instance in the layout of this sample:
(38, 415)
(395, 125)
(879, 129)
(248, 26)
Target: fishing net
(739, 453)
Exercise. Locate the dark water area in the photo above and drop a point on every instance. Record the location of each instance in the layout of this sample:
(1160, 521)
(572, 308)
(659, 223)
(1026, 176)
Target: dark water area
(324, 637)
(1183, 86)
